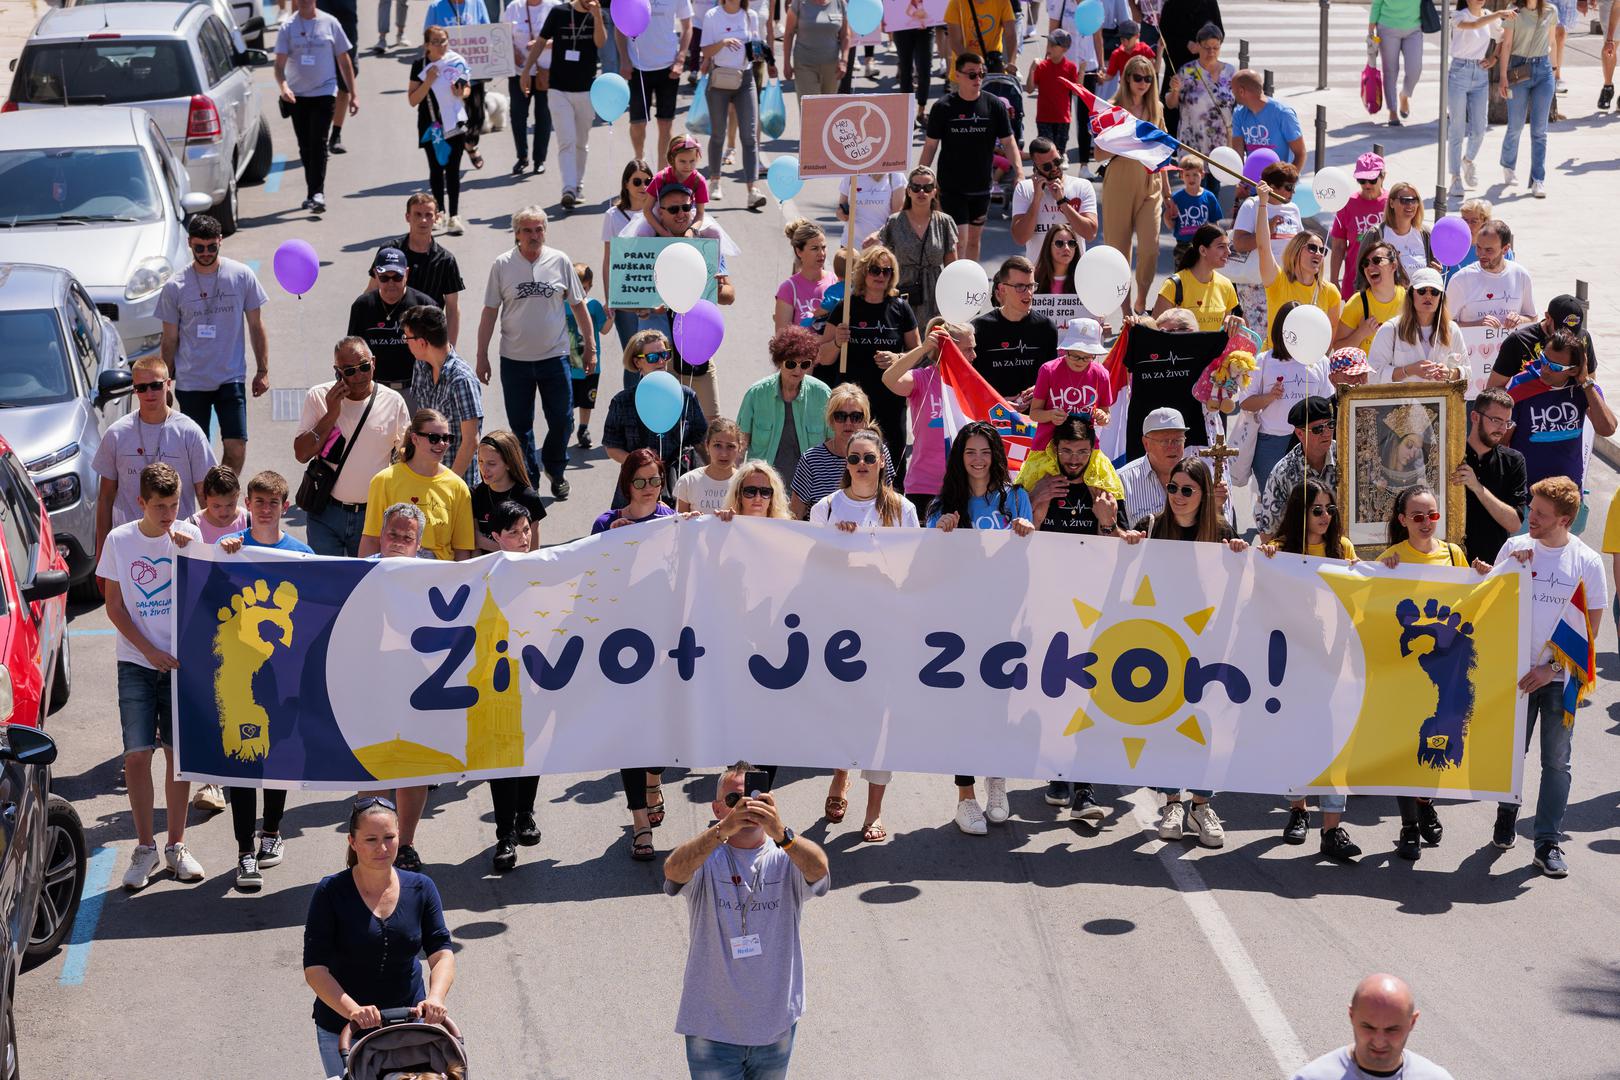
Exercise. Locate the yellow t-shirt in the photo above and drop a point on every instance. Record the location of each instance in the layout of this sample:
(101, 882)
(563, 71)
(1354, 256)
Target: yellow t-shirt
(443, 499)
(1444, 554)
(1212, 303)
(1324, 295)
(1347, 550)
(993, 15)
(1356, 315)
(1611, 529)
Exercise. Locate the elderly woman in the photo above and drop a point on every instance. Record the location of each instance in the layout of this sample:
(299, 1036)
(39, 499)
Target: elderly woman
(881, 326)
(366, 927)
(822, 467)
(1300, 275)
(923, 239)
(781, 414)
(1423, 343)
(1202, 93)
(623, 432)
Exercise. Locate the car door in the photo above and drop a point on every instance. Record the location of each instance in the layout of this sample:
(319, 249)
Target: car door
(24, 656)
(228, 86)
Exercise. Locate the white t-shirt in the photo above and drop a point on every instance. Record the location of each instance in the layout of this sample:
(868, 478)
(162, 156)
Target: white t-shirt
(1473, 293)
(1341, 1065)
(1472, 44)
(1049, 215)
(526, 21)
(719, 24)
(1410, 246)
(871, 203)
(839, 507)
(657, 45)
(143, 569)
(1285, 229)
(1554, 573)
(701, 491)
(387, 421)
(1388, 352)
(1299, 381)
(452, 68)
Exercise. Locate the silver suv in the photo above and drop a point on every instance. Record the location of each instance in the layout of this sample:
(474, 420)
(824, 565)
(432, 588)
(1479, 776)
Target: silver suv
(179, 63)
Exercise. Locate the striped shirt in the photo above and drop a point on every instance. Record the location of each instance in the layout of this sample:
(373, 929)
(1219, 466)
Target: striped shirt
(820, 472)
(1144, 492)
(457, 396)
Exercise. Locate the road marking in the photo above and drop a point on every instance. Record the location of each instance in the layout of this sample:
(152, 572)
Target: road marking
(272, 179)
(1223, 940)
(91, 632)
(97, 878)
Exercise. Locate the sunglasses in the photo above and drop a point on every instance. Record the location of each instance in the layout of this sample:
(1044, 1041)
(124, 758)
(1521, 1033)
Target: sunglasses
(1427, 290)
(362, 805)
(975, 75)
(349, 369)
(1186, 491)
(1316, 249)
(1049, 168)
(1544, 359)
(879, 271)
(149, 387)
(1374, 182)
(1321, 428)
(434, 438)
(660, 357)
(638, 181)
(867, 458)
(390, 277)
(1424, 515)
(841, 417)
(795, 365)
(1284, 185)
(1065, 243)
(921, 189)
(683, 208)
(1380, 260)
(733, 798)
(1144, 79)
(1407, 199)
(750, 491)
(642, 483)
(203, 249)
(1324, 511)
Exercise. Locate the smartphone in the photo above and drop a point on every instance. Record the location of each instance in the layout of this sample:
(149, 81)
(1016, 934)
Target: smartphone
(756, 782)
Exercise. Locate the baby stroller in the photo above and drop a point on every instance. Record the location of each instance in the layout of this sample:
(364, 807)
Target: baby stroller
(1004, 85)
(403, 1044)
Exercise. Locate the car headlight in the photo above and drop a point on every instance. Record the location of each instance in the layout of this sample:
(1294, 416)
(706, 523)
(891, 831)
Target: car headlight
(149, 276)
(67, 453)
(59, 493)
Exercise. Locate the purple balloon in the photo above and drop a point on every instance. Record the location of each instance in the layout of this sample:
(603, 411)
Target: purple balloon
(1450, 240)
(297, 266)
(631, 16)
(698, 333)
(1256, 163)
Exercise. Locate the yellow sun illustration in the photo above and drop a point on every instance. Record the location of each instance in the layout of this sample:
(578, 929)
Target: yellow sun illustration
(1141, 669)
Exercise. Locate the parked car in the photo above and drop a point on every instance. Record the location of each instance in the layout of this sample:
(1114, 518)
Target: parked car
(63, 378)
(99, 190)
(245, 17)
(180, 62)
(35, 669)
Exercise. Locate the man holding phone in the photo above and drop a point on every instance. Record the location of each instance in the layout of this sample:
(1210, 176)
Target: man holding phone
(745, 879)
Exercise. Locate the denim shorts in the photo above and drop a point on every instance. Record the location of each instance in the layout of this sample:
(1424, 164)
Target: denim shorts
(229, 401)
(144, 708)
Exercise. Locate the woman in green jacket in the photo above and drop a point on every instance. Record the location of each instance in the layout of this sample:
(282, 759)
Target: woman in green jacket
(1396, 26)
(790, 393)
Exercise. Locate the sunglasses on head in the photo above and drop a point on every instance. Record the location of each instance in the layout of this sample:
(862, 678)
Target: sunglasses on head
(1424, 515)
(641, 483)
(660, 357)
(362, 805)
(841, 417)
(1324, 511)
(795, 365)
(921, 189)
(435, 438)
(753, 491)
(347, 370)
(149, 387)
(867, 458)
(1186, 491)
(205, 248)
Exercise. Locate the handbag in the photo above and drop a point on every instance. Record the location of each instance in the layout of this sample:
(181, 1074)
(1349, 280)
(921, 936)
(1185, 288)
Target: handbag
(321, 476)
(1518, 71)
(1372, 83)
(725, 78)
(1428, 17)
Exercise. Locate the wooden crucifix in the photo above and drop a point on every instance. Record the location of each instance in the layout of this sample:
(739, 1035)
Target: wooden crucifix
(1217, 455)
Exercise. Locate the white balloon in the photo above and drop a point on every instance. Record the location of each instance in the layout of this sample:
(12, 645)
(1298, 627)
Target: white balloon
(1225, 155)
(1103, 279)
(1333, 188)
(962, 292)
(1307, 333)
(680, 275)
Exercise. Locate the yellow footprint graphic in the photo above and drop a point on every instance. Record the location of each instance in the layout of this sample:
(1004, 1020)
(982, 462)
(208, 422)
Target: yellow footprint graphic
(241, 650)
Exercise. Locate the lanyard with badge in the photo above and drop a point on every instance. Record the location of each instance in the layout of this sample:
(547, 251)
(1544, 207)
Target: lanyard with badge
(745, 944)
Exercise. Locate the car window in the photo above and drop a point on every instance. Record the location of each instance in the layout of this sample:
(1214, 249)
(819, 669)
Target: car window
(80, 299)
(110, 72)
(33, 364)
(171, 172)
(82, 183)
(83, 330)
(13, 534)
(217, 51)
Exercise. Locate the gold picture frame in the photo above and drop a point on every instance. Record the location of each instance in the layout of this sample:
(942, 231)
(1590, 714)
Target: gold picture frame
(1393, 435)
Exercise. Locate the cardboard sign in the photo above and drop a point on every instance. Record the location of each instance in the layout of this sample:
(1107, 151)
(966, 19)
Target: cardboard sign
(1061, 308)
(1483, 344)
(487, 48)
(850, 134)
(913, 14)
(630, 270)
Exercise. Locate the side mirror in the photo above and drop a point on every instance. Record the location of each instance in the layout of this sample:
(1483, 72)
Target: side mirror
(113, 384)
(195, 202)
(26, 745)
(46, 584)
(252, 58)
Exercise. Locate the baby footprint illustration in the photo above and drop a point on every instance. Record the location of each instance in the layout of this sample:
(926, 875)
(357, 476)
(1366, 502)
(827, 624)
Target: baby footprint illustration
(241, 649)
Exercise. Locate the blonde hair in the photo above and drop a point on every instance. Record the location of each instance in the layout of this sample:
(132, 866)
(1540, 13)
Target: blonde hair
(847, 392)
(778, 507)
(800, 231)
(1150, 98)
(889, 502)
(638, 343)
(1290, 257)
(857, 283)
(150, 362)
(1403, 188)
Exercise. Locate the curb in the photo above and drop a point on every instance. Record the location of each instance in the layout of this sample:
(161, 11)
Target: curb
(1608, 451)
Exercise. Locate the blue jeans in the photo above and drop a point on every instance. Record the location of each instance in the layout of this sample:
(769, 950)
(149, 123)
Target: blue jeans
(336, 530)
(1547, 706)
(709, 1060)
(1268, 450)
(1468, 88)
(1330, 804)
(609, 52)
(520, 381)
(1532, 98)
(327, 1041)
(626, 324)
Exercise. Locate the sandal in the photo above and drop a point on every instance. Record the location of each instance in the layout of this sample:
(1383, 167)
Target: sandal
(655, 811)
(475, 157)
(642, 852)
(874, 833)
(835, 808)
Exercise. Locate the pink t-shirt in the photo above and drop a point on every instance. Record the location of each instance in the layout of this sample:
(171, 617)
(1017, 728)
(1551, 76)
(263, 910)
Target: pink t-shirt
(927, 468)
(1358, 216)
(211, 533)
(666, 175)
(1072, 391)
(803, 295)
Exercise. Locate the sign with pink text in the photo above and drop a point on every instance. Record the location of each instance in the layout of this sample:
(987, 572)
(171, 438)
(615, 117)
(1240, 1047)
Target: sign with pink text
(913, 14)
(850, 134)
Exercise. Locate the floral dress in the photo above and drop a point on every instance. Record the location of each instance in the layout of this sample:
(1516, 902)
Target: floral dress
(1206, 107)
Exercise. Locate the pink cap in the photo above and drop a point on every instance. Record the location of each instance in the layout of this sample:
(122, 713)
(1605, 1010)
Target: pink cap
(1369, 166)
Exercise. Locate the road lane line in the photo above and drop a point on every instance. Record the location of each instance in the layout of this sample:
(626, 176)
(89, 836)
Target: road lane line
(272, 179)
(97, 880)
(89, 632)
(1223, 940)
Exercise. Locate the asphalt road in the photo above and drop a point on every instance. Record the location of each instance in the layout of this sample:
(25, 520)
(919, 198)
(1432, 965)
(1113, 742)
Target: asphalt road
(1041, 948)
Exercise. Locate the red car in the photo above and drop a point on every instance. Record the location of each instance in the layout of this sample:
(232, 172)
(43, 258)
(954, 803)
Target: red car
(34, 664)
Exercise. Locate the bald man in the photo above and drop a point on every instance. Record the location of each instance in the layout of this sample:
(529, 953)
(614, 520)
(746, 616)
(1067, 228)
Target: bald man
(1382, 1016)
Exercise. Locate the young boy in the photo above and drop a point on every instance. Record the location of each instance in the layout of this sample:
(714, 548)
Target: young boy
(1130, 44)
(704, 490)
(1192, 207)
(585, 385)
(266, 502)
(511, 528)
(138, 560)
(1054, 100)
(222, 513)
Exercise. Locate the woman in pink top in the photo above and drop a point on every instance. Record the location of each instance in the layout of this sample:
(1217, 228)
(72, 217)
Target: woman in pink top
(799, 297)
(915, 377)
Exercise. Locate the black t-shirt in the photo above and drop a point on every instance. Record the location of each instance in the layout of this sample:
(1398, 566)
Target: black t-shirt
(1163, 369)
(378, 322)
(485, 500)
(1502, 473)
(1071, 513)
(347, 13)
(967, 132)
(572, 33)
(433, 271)
(1010, 354)
(875, 328)
(1524, 345)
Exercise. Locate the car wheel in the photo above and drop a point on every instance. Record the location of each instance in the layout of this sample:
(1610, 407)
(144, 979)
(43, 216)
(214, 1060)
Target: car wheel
(87, 591)
(13, 1068)
(258, 166)
(225, 210)
(62, 679)
(63, 885)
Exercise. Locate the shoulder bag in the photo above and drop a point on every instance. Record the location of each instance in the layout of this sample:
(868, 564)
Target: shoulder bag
(321, 475)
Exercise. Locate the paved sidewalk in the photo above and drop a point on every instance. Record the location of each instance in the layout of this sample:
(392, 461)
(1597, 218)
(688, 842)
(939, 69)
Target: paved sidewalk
(17, 19)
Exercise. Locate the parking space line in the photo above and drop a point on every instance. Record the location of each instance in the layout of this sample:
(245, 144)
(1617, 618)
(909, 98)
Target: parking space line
(97, 878)
(1223, 940)
(91, 632)
(272, 179)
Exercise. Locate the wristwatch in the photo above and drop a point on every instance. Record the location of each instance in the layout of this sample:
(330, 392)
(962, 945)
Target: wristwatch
(788, 836)
(1557, 666)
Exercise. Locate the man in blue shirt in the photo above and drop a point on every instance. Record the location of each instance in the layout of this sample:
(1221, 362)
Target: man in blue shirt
(1552, 399)
(1259, 121)
(266, 502)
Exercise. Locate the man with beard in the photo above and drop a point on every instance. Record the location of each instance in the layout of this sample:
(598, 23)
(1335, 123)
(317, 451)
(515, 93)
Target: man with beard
(1496, 291)
(1494, 476)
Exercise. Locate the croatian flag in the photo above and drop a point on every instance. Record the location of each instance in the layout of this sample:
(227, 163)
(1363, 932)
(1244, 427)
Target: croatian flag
(1118, 132)
(966, 397)
(1572, 644)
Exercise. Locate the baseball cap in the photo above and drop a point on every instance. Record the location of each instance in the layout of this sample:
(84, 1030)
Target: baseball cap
(1369, 166)
(1163, 419)
(1083, 336)
(1566, 312)
(390, 260)
(1348, 361)
(1427, 277)
(1060, 37)
(1128, 28)
(1309, 411)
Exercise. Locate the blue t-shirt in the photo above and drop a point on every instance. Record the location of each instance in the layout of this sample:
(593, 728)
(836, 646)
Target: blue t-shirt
(1275, 125)
(575, 346)
(1193, 211)
(288, 542)
(993, 510)
(447, 13)
(1547, 426)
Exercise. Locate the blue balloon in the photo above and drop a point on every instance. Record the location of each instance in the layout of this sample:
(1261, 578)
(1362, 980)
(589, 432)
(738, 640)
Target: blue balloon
(783, 178)
(610, 96)
(658, 401)
(1088, 17)
(864, 15)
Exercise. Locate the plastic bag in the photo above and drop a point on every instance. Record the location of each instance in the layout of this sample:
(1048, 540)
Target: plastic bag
(697, 117)
(773, 110)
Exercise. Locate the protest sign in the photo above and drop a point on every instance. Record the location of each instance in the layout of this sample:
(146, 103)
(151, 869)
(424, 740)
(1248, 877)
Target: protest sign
(630, 268)
(1062, 309)
(1483, 342)
(913, 14)
(487, 48)
(850, 134)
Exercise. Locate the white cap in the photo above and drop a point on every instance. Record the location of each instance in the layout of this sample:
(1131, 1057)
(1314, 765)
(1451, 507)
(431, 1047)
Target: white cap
(1429, 277)
(1163, 419)
(1083, 336)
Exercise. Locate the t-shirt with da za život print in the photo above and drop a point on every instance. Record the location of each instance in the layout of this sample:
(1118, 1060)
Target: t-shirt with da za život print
(209, 312)
(143, 569)
(1554, 573)
(1011, 352)
(967, 132)
(130, 444)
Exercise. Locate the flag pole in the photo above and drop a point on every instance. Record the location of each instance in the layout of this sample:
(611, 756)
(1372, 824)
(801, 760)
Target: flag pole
(849, 268)
(1091, 100)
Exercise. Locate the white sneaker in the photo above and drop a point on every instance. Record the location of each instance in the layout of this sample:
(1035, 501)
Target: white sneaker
(871, 70)
(1538, 189)
(1561, 86)
(969, 818)
(270, 850)
(455, 226)
(715, 195)
(1509, 177)
(182, 863)
(319, 202)
(1470, 174)
(142, 865)
(210, 797)
(248, 878)
(1456, 186)
(400, 40)
(1208, 826)
(1173, 821)
(995, 798)
(381, 46)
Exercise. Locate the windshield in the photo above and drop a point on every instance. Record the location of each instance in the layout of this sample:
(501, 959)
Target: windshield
(75, 186)
(104, 72)
(33, 364)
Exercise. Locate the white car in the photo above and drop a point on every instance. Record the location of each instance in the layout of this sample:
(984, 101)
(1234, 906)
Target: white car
(98, 193)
